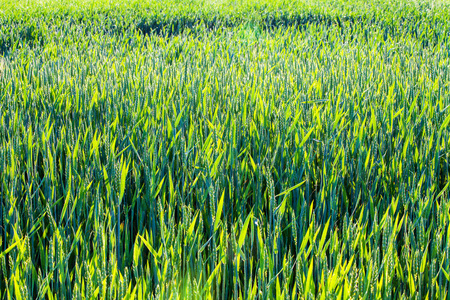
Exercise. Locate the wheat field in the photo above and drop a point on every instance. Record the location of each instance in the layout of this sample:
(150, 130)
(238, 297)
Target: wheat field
(224, 149)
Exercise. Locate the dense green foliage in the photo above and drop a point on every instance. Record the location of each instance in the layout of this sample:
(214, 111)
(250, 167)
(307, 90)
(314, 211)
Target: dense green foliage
(194, 150)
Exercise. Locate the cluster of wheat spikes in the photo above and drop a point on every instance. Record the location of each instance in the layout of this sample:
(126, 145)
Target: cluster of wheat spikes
(224, 150)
